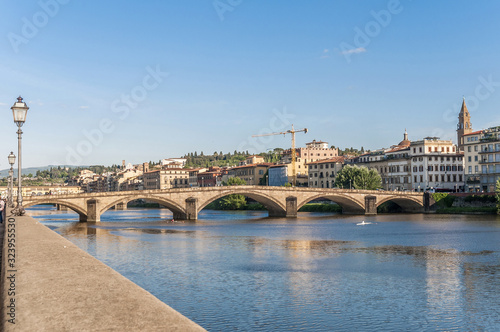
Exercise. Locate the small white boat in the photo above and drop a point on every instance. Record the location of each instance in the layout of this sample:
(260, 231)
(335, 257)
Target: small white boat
(363, 223)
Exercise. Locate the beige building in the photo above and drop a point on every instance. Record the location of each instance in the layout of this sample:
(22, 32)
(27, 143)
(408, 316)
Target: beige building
(166, 179)
(313, 151)
(123, 179)
(482, 159)
(322, 173)
(252, 160)
(252, 174)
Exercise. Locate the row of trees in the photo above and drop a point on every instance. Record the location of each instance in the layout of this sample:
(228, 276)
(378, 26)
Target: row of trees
(216, 159)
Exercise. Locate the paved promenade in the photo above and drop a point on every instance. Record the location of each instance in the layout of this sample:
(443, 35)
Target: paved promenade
(55, 286)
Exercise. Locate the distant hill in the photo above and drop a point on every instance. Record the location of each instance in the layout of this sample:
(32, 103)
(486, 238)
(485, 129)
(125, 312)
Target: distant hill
(5, 172)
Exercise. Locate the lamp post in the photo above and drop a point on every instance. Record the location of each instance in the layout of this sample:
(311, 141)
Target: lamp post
(19, 111)
(12, 161)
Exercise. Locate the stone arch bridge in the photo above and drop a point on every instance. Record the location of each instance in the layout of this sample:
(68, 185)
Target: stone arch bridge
(186, 203)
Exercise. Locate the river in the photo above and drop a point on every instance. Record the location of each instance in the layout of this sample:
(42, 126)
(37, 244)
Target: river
(241, 271)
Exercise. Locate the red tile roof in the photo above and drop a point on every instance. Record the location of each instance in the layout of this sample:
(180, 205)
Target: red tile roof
(339, 159)
(474, 133)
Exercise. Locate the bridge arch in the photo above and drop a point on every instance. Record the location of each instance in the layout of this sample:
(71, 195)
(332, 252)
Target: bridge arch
(407, 203)
(176, 209)
(78, 209)
(349, 204)
(273, 205)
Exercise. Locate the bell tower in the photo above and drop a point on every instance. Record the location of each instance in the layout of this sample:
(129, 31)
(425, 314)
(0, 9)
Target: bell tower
(464, 126)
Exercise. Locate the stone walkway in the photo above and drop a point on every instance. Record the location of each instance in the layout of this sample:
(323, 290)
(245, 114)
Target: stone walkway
(59, 287)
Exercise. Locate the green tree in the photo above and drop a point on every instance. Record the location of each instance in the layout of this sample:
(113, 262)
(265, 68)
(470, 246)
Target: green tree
(356, 177)
(234, 201)
(498, 196)
(235, 181)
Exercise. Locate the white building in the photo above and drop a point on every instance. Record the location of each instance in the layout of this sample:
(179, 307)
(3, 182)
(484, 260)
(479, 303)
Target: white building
(482, 159)
(181, 161)
(436, 164)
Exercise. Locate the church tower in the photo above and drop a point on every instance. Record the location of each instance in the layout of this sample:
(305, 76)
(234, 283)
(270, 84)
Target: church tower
(464, 126)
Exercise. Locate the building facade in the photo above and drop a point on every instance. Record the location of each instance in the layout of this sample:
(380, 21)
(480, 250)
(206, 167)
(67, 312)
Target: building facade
(322, 173)
(314, 151)
(253, 174)
(166, 179)
(482, 159)
(436, 165)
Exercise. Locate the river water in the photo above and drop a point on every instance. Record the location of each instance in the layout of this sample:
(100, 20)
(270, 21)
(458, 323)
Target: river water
(241, 271)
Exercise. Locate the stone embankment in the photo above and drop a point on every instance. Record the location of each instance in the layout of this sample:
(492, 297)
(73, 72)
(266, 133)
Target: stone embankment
(49, 284)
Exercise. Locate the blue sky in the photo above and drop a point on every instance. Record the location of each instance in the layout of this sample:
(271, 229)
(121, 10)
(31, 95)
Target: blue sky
(113, 80)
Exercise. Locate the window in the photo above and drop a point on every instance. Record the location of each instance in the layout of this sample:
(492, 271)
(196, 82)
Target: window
(475, 158)
(470, 169)
(470, 158)
(475, 147)
(468, 149)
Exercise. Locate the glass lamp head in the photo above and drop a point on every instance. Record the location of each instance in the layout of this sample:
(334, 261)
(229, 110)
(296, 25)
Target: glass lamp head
(19, 111)
(12, 158)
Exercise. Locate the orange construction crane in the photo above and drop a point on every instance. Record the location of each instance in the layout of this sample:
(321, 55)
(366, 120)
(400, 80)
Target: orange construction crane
(292, 131)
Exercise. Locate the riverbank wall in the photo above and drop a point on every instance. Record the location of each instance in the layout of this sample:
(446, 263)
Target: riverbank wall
(49, 284)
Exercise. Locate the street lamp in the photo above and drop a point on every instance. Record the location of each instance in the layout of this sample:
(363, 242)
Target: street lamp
(19, 111)
(12, 161)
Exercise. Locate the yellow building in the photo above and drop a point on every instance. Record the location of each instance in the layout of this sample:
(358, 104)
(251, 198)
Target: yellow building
(166, 179)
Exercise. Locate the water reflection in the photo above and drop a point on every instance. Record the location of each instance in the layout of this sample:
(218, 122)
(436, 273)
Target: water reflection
(228, 272)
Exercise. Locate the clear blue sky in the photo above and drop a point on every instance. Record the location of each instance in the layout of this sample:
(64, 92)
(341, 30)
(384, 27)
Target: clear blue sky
(231, 69)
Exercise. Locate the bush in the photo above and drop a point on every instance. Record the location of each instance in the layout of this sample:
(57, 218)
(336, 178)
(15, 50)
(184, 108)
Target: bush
(443, 199)
(458, 210)
(481, 198)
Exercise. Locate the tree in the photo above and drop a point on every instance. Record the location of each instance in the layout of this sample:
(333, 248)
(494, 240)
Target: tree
(235, 181)
(498, 196)
(355, 177)
(234, 201)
